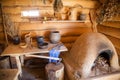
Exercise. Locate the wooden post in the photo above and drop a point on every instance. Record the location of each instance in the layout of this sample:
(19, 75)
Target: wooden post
(22, 60)
(19, 65)
(54, 71)
(93, 20)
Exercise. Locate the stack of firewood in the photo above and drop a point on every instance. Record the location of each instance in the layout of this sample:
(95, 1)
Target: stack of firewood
(101, 66)
(107, 10)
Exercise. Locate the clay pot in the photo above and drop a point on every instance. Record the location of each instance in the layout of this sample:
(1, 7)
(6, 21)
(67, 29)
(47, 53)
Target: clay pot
(40, 39)
(28, 39)
(55, 36)
(16, 40)
(64, 16)
(82, 17)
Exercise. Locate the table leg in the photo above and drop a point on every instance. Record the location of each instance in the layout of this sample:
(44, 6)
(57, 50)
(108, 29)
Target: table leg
(22, 60)
(19, 65)
(10, 62)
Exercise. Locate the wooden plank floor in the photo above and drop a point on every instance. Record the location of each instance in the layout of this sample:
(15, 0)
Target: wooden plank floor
(33, 74)
(8, 74)
(34, 69)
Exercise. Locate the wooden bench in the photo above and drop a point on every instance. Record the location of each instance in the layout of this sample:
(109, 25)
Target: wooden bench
(9, 74)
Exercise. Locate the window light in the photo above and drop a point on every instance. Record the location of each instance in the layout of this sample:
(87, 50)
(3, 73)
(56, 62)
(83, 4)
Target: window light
(30, 13)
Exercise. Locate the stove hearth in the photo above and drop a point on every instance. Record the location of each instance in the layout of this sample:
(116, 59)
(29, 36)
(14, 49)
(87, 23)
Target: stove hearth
(92, 55)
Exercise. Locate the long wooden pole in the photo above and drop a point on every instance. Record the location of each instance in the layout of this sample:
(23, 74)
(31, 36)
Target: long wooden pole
(46, 57)
(19, 65)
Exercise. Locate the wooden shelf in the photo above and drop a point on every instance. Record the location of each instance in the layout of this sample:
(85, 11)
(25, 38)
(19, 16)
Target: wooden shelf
(65, 21)
(61, 21)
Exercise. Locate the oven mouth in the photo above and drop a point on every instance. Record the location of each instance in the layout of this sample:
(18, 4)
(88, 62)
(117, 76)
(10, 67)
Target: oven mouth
(107, 55)
(102, 64)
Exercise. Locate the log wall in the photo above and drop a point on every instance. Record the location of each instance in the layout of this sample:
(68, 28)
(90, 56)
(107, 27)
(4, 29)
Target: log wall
(1, 28)
(112, 30)
(69, 30)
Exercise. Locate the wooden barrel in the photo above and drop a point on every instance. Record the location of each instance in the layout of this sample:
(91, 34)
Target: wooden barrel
(4, 62)
(54, 71)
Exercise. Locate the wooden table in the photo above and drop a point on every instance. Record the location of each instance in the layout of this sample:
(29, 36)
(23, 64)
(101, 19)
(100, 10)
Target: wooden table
(17, 52)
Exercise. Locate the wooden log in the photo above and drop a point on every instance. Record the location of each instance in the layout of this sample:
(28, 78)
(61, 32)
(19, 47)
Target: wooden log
(16, 18)
(64, 32)
(115, 32)
(68, 39)
(84, 3)
(113, 24)
(4, 63)
(115, 41)
(24, 3)
(1, 28)
(37, 8)
(44, 11)
(0, 19)
(12, 10)
(118, 52)
(54, 71)
(53, 25)
(116, 18)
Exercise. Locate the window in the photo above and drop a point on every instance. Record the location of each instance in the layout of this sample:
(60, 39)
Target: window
(30, 13)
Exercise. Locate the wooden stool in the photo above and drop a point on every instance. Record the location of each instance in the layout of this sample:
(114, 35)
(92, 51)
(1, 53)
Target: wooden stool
(54, 71)
(9, 74)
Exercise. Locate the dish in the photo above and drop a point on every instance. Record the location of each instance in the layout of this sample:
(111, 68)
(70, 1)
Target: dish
(43, 46)
(23, 45)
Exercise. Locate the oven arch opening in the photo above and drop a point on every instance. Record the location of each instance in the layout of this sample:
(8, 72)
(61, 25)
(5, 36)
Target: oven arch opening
(106, 54)
(102, 64)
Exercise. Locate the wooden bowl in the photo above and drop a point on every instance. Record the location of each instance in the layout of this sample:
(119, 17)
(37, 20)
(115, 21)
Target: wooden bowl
(23, 45)
(43, 46)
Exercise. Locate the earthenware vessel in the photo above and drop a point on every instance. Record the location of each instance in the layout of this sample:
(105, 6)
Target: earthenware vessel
(16, 40)
(82, 17)
(40, 39)
(55, 36)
